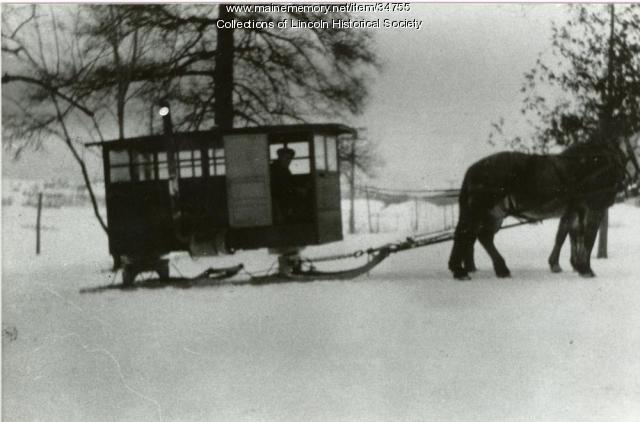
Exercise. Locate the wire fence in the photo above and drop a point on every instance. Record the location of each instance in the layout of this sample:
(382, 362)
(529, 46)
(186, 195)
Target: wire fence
(378, 210)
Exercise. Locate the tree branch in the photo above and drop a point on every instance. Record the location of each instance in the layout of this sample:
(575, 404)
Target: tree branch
(8, 78)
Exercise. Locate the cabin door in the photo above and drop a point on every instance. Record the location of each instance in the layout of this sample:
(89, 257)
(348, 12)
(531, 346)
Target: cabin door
(248, 187)
(327, 181)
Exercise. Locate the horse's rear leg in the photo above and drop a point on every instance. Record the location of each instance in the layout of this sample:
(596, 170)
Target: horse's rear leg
(486, 235)
(561, 235)
(469, 261)
(456, 261)
(461, 260)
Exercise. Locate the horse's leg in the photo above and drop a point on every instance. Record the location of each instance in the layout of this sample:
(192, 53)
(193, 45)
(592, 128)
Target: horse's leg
(574, 249)
(455, 261)
(574, 228)
(460, 251)
(490, 227)
(575, 225)
(469, 261)
(579, 251)
(561, 235)
(592, 224)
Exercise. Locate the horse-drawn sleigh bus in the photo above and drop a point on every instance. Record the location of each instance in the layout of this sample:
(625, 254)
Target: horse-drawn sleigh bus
(218, 191)
(213, 192)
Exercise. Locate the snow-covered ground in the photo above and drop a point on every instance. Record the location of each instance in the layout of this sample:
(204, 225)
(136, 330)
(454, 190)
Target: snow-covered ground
(405, 343)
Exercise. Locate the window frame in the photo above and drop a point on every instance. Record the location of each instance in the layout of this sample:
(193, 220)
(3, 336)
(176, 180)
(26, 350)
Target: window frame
(136, 166)
(327, 165)
(126, 165)
(216, 162)
(194, 163)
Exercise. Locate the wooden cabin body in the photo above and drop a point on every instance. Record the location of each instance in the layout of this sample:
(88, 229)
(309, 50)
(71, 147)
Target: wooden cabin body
(224, 199)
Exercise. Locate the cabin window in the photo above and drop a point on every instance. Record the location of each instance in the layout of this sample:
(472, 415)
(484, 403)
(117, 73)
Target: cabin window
(301, 161)
(326, 153)
(119, 166)
(163, 166)
(190, 163)
(217, 165)
(320, 152)
(332, 153)
(142, 164)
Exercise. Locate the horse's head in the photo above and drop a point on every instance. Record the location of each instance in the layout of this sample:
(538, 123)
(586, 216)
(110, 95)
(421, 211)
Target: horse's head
(614, 133)
(632, 168)
(622, 161)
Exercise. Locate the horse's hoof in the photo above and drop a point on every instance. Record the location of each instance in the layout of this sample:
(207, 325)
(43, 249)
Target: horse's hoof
(461, 275)
(503, 274)
(555, 268)
(588, 274)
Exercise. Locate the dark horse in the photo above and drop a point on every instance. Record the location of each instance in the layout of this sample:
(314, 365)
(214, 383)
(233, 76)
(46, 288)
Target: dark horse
(578, 184)
(568, 218)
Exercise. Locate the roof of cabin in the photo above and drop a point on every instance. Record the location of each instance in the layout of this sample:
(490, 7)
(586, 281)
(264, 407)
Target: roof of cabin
(274, 129)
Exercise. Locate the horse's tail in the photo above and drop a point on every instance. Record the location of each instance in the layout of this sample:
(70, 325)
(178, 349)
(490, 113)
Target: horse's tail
(463, 236)
(463, 227)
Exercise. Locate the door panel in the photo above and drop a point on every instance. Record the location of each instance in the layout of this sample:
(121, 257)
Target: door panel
(248, 188)
(327, 182)
(329, 215)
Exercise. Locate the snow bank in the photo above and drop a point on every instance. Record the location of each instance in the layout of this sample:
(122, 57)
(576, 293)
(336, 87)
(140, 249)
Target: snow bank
(405, 343)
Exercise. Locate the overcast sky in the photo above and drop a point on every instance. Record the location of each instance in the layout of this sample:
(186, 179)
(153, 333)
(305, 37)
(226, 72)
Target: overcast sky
(444, 85)
(441, 88)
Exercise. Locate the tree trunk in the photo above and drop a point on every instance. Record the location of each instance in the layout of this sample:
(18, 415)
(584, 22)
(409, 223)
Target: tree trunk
(120, 105)
(81, 163)
(223, 73)
(603, 236)
(604, 225)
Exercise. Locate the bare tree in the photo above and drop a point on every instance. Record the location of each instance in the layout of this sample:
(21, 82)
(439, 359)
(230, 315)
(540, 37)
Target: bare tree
(591, 80)
(44, 69)
(592, 73)
(108, 35)
(256, 75)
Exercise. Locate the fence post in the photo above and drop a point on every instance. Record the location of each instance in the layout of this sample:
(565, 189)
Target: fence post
(444, 216)
(352, 185)
(366, 192)
(453, 220)
(39, 215)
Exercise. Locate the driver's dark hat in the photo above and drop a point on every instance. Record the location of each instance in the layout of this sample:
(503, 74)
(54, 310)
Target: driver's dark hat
(286, 152)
